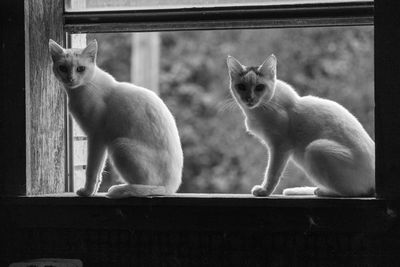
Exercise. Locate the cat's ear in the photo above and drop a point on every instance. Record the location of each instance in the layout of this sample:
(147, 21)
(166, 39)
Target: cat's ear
(91, 50)
(234, 66)
(268, 67)
(56, 51)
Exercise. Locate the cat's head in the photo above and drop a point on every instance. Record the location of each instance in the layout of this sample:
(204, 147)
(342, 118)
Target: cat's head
(252, 85)
(73, 67)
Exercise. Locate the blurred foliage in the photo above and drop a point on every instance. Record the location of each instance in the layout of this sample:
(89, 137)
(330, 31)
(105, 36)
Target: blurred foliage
(334, 63)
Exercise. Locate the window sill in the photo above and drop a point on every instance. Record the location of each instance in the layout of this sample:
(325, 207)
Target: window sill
(198, 212)
(194, 199)
(193, 226)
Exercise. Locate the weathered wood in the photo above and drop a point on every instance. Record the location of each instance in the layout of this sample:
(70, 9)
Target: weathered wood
(45, 102)
(145, 60)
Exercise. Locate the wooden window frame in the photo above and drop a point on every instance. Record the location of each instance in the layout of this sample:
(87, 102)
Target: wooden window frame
(61, 225)
(214, 18)
(46, 163)
(234, 17)
(33, 107)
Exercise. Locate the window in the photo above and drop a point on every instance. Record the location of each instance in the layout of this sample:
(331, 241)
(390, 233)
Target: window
(215, 16)
(195, 229)
(223, 170)
(193, 81)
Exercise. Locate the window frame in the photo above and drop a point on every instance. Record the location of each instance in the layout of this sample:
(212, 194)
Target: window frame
(306, 15)
(217, 18)
(60, 225)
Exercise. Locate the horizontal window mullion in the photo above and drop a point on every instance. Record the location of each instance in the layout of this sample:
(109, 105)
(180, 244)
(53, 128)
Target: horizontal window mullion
(216, 25)
(222, 17)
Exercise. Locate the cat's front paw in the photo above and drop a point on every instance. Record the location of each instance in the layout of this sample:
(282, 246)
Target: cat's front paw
(84, 192)
(259, 191)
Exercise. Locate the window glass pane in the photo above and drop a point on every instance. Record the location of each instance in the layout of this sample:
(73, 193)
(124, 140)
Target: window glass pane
(98, 5)
(336, 63)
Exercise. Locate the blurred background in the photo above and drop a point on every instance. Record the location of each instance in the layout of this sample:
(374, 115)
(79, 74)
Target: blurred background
(188, 70)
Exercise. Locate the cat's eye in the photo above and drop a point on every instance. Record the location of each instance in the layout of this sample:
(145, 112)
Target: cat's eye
(241, 87)
(80, 69)
(259, 88)
(63, 68)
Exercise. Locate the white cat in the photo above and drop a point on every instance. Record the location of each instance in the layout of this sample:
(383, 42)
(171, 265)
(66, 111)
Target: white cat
(129, 123)
(319, 135)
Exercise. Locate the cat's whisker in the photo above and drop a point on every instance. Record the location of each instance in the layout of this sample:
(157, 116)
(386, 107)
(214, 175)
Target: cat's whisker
(262, 106)
(271, 105)
(265, 106)
(278, 105)
(227, 104)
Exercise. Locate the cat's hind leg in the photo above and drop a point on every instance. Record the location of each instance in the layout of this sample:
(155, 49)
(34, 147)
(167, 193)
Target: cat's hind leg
(323, 192)
(142, 168)
(329, 164)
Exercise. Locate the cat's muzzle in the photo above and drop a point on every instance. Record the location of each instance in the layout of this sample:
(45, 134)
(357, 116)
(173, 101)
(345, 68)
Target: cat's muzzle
(251, 103)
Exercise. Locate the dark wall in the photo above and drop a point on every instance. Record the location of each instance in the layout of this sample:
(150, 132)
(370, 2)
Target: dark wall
(387, 93)
(12, 100)
(193, 231)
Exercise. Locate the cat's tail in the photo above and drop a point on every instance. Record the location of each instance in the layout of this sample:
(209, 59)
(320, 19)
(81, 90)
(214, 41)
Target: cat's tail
(135, 190)
(297, 191)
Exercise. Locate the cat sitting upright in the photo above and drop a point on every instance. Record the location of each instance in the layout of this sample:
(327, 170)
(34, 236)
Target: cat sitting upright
(320, 136)
(129, 123)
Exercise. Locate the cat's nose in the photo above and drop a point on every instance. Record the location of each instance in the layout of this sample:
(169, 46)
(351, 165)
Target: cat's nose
(249, 99)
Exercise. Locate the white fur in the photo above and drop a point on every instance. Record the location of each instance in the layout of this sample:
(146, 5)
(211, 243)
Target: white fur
(131, 190)
(320, 135)
(129, 123)
(304, 190)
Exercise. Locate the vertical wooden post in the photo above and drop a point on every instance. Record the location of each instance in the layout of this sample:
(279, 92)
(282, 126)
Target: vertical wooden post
(145, 60)
(45, 102)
